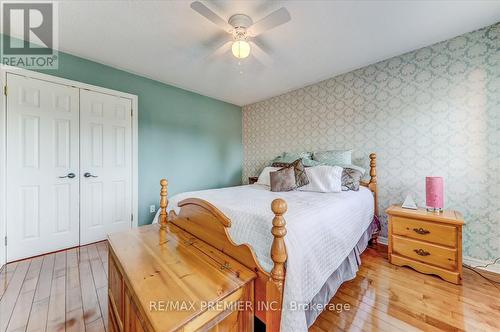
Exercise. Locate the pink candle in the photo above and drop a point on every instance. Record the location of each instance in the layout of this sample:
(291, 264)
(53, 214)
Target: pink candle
(434, 189)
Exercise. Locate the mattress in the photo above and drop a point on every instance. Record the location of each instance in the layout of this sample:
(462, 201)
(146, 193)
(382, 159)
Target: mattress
(322, 231)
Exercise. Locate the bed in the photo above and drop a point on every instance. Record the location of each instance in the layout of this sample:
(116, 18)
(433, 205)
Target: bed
(313, 252)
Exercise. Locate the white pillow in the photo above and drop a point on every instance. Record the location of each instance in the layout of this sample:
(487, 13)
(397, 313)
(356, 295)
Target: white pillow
(323, 179)
(265, 177)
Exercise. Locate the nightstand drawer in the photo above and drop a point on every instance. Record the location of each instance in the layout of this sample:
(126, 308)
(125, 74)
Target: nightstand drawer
(425, 252)
(426, 231)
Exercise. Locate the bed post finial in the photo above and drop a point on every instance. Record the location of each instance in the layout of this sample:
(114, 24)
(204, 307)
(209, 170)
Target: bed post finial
(274, 286)
(278, 249)
(163, 204)
(373, 168)
(373, 179)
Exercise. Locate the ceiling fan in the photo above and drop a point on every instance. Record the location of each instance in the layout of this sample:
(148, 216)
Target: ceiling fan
(241, 32)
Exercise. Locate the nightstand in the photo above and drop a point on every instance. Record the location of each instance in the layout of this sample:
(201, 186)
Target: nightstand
(252, 179)
(428, 242)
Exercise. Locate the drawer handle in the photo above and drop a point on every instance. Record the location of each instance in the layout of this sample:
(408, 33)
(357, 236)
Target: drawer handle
(421, 252)
(421, 231)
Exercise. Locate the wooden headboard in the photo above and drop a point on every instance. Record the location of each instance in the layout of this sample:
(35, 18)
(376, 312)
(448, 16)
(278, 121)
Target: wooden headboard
(372, 183)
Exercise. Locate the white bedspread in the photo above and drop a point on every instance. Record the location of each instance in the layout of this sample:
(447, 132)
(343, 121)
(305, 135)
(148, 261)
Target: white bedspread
(322, 228)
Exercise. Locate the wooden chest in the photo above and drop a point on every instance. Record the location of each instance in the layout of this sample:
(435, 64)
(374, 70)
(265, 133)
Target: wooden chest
(428, 242)
(167, 280)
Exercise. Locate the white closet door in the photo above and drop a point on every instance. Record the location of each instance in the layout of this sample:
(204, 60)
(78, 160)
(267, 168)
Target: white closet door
(42, 167)
(106, 165)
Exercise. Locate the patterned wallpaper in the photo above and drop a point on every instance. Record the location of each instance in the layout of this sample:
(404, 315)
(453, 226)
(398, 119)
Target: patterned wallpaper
(434, 111)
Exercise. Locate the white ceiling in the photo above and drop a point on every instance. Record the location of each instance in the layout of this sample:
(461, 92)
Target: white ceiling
(169, 42)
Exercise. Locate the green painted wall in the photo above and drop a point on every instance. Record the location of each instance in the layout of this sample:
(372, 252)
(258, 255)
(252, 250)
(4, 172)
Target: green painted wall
(192, 140)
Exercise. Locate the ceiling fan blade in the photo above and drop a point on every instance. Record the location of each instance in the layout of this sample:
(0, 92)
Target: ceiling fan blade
(217, 40)
(210, 15)
(264, 46)
(222, 49)
(260, 55)
(278, 17)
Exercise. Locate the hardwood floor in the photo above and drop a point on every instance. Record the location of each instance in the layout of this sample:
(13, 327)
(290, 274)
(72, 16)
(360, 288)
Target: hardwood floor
(385, 297)
(63, 291)
(67, 291)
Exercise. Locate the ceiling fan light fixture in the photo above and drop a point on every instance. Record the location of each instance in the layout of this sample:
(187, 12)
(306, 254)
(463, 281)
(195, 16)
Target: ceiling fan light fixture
(243, 29)
(241, 49)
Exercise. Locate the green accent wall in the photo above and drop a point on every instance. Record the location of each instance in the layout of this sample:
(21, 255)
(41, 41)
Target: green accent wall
(192, 140)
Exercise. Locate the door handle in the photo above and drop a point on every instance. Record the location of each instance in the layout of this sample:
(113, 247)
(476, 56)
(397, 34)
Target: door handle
(69, 175)
(89, 175)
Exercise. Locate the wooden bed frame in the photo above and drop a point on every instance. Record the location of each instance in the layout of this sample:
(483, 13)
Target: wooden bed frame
(204, 221)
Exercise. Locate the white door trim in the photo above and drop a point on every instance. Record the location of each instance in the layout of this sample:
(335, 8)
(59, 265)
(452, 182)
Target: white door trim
(3, 165)
(3, 127)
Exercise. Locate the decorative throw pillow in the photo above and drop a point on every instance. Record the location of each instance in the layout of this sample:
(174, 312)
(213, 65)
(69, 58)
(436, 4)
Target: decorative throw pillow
(355, 167)
(280, 164)
(297, 155)
(310, 163)
(289, 157)
(323, 179)
(264, 177)
(278, 159)
(334, 157)
(305, 162)
(350, 179)
(300, 174)
(283, 179)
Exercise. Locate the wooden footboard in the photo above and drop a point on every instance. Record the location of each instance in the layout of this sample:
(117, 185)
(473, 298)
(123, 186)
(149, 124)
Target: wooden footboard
(207, 223)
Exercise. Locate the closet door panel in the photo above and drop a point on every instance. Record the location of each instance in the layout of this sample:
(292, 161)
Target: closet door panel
(106, 164)
(42, 146)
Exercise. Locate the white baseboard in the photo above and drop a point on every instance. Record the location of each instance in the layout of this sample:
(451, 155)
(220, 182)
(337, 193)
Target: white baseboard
(466, 260)
(495, 268)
